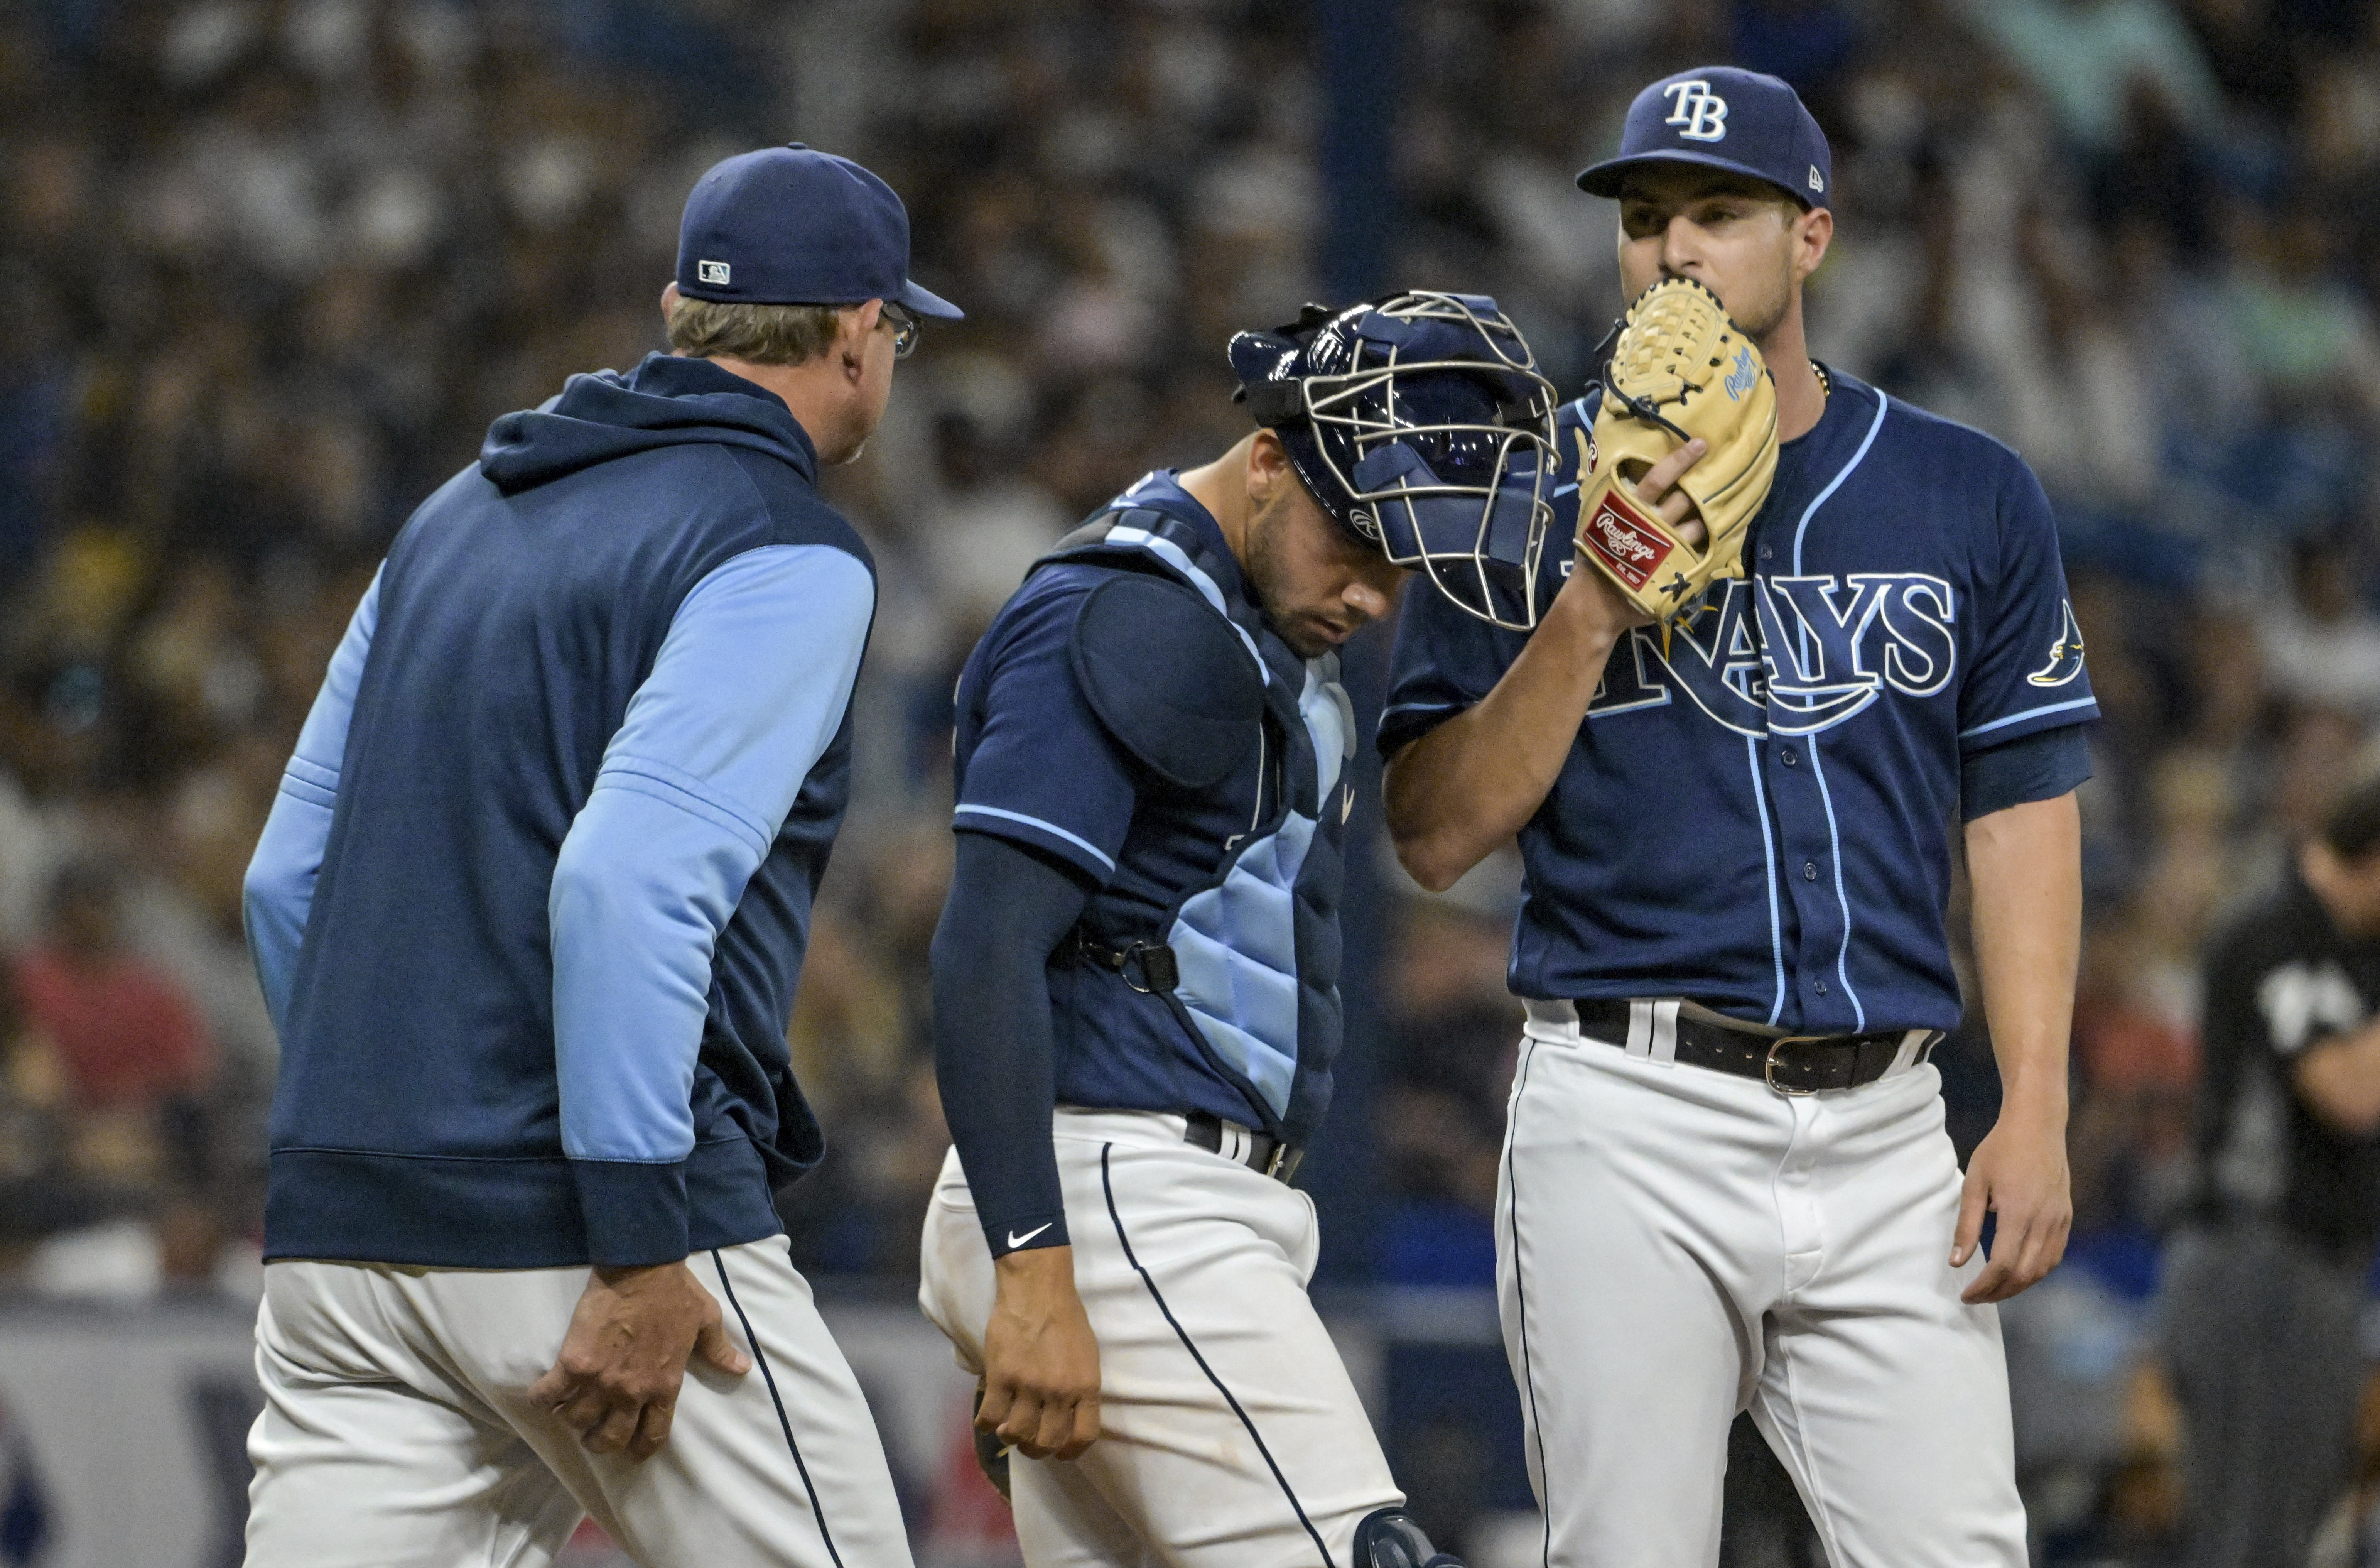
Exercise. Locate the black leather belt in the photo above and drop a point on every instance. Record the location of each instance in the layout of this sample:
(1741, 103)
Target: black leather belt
(1266, 1155)
(1787, 1063)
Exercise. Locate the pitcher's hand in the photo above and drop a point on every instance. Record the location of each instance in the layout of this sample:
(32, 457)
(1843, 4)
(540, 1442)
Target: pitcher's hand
(1656, 490)
(2019, 1173)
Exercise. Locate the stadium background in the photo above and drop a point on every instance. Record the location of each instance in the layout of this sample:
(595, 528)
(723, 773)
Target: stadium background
(269, 268)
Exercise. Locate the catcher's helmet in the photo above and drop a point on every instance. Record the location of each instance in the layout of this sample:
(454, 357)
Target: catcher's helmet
(1420, 422)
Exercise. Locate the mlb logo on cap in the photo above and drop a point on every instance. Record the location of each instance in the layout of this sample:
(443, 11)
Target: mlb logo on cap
(792, 226)
(1723, 118)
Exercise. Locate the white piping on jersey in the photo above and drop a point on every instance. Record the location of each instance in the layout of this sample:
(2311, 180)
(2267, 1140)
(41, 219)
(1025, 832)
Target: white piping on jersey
(1768, 871)
(1882, 403)
(1421, 707)
(1843, 956)
(1080, 843)
(1173, 555)
(2028, 713)
(1834, 835)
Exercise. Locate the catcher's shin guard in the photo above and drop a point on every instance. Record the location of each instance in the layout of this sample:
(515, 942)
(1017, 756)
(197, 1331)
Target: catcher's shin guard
(1388, 1538)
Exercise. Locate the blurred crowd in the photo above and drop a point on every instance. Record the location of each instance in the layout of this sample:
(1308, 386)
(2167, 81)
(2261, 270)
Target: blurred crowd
(272, 265)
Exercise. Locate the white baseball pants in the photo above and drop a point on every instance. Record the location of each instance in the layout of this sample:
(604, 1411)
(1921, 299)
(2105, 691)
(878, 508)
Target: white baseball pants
(1231, 1435)
(1675, 1245)
(397, 1433)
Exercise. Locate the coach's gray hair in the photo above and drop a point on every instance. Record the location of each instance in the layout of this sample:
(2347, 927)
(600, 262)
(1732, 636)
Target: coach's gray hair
(761, 334)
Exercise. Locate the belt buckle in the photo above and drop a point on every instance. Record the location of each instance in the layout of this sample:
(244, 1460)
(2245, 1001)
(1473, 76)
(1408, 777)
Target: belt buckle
(1768, 1067)
(1282, 1166)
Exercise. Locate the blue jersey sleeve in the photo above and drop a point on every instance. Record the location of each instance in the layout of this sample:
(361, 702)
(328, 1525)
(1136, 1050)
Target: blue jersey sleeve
(2041, 765)
(278, 891)
(1042, 770)
(1444, 661)
(748, 688)
(2028, 673)
(1447, 659)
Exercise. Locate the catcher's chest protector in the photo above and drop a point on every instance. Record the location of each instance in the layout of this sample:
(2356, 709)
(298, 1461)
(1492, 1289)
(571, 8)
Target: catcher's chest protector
(1256, 944)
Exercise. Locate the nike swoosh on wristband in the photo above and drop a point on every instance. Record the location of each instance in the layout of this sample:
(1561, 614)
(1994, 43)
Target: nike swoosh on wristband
(1016, 1241)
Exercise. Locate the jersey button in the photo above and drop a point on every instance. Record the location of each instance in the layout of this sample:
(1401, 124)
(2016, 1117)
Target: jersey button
(1809, 871)
(1791, 761)
(1822, 988)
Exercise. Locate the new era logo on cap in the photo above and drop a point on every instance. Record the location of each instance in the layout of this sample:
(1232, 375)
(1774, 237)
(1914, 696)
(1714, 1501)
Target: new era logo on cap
(712, 272)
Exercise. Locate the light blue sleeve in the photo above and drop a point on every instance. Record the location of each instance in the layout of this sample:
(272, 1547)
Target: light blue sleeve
(279, 888)
(748, 689)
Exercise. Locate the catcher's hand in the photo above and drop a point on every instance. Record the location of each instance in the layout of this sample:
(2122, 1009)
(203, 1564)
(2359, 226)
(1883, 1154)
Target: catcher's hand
(1682, 369)
(991, 1452)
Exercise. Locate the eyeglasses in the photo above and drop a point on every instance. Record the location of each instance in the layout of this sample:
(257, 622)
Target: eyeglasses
(905, 328)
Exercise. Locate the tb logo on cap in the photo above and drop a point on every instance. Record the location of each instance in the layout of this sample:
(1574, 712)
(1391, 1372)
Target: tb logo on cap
(1700, 115)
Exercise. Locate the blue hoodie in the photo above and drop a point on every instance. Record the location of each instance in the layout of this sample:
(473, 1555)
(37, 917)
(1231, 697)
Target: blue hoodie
(533, 899)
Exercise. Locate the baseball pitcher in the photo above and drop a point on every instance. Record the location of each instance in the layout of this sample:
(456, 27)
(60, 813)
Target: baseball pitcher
(1809, 643)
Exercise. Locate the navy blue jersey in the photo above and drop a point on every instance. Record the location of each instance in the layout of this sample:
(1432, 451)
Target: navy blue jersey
(1223, 872)
(534, 899)
(1758, 817)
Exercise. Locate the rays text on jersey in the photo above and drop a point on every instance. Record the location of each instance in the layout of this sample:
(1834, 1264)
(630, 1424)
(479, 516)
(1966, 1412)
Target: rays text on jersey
(1793, 655)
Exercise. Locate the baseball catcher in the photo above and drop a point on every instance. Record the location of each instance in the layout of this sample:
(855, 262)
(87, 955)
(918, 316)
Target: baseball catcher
(1136, 1004)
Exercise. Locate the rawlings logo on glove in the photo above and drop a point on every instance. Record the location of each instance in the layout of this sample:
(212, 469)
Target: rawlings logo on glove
(1623, 545)
(1680, 370)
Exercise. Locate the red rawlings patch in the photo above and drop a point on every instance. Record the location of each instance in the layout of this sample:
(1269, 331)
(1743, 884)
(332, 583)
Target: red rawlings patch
(1629, 548)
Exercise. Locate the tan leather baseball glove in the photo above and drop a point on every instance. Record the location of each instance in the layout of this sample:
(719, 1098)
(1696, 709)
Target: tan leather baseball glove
(1680, 370)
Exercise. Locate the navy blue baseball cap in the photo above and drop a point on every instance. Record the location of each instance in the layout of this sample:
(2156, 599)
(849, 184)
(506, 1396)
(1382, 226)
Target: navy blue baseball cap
(1724, 119)
(791, 226)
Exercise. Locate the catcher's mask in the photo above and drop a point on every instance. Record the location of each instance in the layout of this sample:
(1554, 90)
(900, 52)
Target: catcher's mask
(1420, 423)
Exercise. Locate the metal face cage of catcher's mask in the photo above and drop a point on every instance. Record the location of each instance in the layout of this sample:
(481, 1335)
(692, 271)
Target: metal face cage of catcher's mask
(1441, 432)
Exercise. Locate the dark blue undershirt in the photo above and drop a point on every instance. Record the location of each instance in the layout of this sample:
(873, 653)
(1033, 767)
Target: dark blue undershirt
(994, 1048)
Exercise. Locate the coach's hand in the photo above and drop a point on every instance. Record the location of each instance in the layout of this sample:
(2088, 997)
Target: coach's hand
(1040, 1362)
(1658, 490)
(2019, 1173)
(631, 1338)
